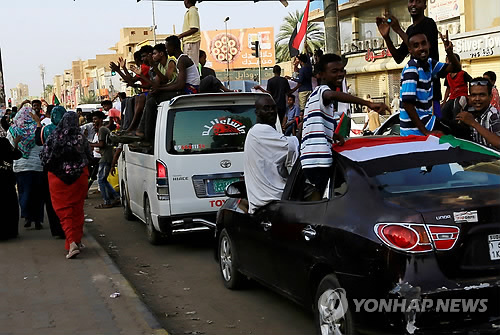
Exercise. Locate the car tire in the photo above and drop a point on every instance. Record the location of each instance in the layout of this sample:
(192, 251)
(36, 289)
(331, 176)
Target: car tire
(231, 277)
(127, 212)
(154, 236)
(331, 313)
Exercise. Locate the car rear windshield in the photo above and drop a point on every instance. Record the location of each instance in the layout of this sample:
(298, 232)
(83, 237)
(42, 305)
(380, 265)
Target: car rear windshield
(202, 131)
(442, 177)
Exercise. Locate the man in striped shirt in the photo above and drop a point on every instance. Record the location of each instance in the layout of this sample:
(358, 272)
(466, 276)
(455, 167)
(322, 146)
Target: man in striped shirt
(484, 120)
(416, 116)
(318, 132)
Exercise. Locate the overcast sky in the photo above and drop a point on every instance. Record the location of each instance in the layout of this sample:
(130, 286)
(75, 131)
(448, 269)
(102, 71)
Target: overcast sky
(55, 32)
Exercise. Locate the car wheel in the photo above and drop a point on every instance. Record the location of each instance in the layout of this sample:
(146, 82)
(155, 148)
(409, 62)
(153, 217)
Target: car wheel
(154, 236)
(231, 277)
(127, 212)
(332, 316)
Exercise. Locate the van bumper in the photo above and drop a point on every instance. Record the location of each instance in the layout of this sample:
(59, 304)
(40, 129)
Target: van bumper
(192, 222)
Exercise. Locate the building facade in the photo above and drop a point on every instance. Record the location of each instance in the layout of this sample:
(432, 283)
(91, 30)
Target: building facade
(473, 26)
(19, 94)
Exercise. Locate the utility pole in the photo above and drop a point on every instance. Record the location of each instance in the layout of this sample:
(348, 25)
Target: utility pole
(227, 54)
(42, 74)
(332, 30)
(2, 85)
(154, 21)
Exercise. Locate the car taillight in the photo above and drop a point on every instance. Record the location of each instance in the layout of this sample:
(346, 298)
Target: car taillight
(162, 189)
(444, 237)
(404, 236)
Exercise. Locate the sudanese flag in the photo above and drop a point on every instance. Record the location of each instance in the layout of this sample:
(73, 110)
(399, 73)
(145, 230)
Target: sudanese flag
(298, 39)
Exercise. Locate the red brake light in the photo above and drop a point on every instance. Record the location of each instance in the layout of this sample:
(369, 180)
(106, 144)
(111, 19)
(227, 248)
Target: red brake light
(404, 237)
(400, 236)
(444, 237)
(161, 170)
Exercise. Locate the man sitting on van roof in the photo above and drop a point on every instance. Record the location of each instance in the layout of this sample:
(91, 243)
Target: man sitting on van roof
(268, 156)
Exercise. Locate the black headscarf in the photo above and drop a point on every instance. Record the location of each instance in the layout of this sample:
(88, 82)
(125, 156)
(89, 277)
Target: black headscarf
(66, 152)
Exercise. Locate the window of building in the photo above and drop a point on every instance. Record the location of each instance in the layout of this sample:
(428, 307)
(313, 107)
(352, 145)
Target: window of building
(367, 26)
(486, 14)
(146, 32)
(346, 31)
(132, 32)
(400, 10)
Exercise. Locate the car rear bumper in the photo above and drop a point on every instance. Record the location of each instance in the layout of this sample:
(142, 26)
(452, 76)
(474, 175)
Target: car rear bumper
(187, 223)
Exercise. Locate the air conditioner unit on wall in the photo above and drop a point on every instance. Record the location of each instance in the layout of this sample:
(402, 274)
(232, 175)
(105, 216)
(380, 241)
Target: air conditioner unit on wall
(360, 45)
(346, 47)
(378, 43)
(368, 44)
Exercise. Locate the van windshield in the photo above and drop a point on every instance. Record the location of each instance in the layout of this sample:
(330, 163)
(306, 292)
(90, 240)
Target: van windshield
(203, 131)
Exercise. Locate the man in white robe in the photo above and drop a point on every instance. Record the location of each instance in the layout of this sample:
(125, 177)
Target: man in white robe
(269, 156)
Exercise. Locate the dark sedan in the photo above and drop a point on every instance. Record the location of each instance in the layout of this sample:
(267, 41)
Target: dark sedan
(406, 238)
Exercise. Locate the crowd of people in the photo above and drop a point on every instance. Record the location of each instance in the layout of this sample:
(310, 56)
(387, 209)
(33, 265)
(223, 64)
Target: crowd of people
(50, 155)
(470, 109)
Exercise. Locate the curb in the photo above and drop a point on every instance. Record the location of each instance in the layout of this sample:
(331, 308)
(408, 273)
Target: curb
(140, 306)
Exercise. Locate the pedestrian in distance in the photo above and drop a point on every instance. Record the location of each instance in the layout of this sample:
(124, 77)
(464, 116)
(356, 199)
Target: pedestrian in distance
(42, 133)
(320, 122)
(304, 81)
(495, 99)
(28, 169)
(66, 155)
(109, 196)
(289, 123)
(417, 85)
(279, 88)
(457, 90)
(421, 23)
(205, 71)
(483, 119)
(191, 36)
(9, 205)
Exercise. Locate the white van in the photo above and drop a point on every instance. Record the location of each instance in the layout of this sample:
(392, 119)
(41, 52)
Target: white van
(198, 151)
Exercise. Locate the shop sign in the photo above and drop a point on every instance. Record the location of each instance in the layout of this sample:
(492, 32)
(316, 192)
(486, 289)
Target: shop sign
(440, 10)
(372, 56)
(477, 46)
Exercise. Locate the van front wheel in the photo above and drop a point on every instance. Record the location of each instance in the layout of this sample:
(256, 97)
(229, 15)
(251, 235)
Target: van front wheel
(154, 236)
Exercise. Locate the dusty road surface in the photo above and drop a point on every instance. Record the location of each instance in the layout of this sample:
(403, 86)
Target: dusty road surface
(180, 282)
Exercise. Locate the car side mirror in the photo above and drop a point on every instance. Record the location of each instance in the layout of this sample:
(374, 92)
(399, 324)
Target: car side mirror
(236, 190)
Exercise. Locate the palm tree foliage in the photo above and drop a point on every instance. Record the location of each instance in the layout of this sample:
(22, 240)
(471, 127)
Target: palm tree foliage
(315, 36)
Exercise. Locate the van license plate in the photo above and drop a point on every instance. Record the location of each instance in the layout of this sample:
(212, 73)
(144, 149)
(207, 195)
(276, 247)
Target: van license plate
(494, 242)
(221, 184)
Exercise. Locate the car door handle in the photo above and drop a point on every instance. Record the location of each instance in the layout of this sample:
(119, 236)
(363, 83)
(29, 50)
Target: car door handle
(309, 233)
(266, 225)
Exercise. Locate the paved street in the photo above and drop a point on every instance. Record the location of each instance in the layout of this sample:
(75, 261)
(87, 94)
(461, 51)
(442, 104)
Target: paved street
(44, 293)
(180, 283)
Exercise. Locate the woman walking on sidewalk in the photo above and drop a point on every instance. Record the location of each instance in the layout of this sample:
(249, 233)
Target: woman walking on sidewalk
(41, 135)
(28, 169)
(66, 156)
(9, 207)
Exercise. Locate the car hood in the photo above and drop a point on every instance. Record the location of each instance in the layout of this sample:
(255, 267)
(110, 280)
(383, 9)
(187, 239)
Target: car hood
(432, 201)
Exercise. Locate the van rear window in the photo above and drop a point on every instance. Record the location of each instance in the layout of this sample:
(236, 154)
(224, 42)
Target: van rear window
(203, 131)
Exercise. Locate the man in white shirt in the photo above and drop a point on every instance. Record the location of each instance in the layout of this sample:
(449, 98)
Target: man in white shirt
(269, 155)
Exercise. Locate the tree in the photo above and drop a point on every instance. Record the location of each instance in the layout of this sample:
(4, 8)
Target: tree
(90, 99)
(315, 36)
(47, 94)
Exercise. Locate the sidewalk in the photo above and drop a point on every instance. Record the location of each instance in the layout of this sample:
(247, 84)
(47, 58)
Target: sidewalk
(41, 292)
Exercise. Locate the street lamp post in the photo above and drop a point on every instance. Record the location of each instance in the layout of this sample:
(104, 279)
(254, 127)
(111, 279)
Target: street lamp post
(227, 54)
(154, 21)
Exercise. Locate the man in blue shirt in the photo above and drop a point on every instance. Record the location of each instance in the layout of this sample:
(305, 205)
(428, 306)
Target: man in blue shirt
(416, 116)
(292, 112)
(304, 82)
